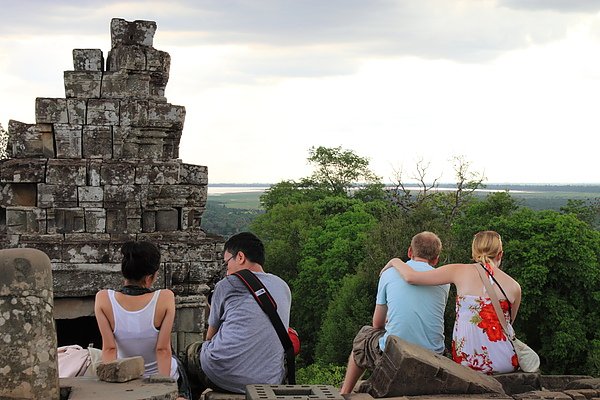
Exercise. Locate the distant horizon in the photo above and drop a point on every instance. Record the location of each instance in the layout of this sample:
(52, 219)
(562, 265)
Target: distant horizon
(440, 183)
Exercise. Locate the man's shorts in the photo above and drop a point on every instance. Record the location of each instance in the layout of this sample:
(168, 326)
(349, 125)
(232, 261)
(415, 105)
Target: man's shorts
(365, 347)
(198, 380)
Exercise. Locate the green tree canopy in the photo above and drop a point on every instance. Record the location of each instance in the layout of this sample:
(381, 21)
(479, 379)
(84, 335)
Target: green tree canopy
(330, 252)
(556, 259)
(339, 169)
(329, 239)
(315, 231)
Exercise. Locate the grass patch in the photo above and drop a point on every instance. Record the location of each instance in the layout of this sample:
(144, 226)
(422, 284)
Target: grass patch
(242, 200)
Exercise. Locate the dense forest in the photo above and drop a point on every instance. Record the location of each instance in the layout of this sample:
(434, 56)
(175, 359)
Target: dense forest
(329, 237)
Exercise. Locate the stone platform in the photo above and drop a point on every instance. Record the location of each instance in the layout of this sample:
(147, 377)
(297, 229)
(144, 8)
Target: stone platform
(90, 388)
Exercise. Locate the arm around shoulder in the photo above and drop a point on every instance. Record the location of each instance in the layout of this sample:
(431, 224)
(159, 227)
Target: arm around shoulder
(438, 276)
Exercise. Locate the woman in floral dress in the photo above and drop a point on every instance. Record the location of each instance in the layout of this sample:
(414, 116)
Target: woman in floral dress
(478, 340)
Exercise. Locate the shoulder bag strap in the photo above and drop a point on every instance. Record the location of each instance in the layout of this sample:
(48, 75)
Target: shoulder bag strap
(499, 287)
(268, 305)
(495, 302)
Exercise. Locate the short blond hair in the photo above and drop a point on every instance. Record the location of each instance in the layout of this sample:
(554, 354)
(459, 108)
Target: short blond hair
(426, 245)
(486, 246)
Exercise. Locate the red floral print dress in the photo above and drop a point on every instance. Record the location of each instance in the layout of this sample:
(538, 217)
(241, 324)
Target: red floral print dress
(478, 340)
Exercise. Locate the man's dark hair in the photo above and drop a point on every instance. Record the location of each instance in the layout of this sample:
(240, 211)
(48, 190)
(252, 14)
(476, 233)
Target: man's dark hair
(249, 244)
(139, 260)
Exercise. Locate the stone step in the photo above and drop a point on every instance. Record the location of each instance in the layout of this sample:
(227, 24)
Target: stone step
(519, 382)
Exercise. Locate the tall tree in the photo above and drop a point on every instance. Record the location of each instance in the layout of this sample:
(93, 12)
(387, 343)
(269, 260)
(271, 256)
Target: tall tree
(339, 169)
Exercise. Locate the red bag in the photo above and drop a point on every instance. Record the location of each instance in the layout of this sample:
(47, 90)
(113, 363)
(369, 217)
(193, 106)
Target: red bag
(295, 340)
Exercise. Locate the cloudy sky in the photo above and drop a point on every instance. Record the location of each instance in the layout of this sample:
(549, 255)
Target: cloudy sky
(513, 86)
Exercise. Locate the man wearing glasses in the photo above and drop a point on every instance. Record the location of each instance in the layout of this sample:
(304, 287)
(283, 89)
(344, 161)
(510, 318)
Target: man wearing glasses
(413, 313)
(241, 346)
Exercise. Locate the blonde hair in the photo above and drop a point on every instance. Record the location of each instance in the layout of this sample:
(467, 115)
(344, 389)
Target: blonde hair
(426, 245)
(486, 246)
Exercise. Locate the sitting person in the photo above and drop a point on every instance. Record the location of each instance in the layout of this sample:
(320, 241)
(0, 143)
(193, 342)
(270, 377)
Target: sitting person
(241, 346)
(137, 321)
(478, 340)
(415, 314)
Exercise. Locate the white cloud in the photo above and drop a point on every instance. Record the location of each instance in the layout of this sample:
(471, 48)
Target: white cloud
(512, 85)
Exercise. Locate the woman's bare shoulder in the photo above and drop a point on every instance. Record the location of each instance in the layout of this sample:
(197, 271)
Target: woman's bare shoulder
(516, 286)
(509, 282)
(102, 295)
(166, 295)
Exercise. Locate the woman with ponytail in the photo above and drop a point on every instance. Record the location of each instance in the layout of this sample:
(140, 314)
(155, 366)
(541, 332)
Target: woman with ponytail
(136, 320)
(478, 340)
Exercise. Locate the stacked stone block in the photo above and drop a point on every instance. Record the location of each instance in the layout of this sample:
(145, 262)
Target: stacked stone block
(100, 167)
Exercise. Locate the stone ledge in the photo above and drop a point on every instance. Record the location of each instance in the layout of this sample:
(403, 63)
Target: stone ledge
(559, 382)
(542, 394)
(519, 382)
(586, 383)
(90, 388)
(487, 396)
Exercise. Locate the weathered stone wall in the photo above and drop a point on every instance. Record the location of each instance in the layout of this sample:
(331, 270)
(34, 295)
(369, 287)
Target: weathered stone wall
(99, 167)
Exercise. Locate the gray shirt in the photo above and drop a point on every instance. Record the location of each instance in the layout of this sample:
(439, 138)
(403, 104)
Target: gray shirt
(246, 349)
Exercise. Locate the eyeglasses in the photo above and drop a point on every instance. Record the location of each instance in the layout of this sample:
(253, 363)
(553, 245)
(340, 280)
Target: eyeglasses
(226, 262)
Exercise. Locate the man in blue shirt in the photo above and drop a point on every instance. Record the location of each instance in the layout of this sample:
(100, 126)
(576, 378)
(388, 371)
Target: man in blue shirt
(413, 313)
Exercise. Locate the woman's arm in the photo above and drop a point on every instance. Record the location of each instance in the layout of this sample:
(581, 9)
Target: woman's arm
(437, 276)
(109, 345)
(166, 300)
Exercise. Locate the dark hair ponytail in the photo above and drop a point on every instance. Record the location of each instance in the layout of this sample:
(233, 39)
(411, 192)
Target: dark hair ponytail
(140, 259)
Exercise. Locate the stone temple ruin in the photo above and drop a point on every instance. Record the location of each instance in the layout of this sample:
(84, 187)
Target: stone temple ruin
(100, 167)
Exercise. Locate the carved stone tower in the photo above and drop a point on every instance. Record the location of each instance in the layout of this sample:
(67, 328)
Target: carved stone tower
(100, 167)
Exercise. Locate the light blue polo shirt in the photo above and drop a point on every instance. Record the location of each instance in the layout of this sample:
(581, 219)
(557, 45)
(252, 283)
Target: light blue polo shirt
(415, 313)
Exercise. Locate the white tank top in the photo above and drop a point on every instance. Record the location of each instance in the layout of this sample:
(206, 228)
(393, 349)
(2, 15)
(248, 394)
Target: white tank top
(136, 335)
